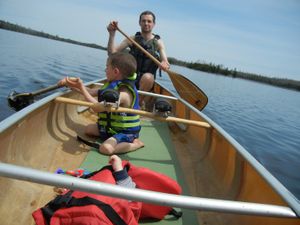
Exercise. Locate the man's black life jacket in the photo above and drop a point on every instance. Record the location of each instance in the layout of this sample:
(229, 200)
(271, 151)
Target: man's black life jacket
(144, 63)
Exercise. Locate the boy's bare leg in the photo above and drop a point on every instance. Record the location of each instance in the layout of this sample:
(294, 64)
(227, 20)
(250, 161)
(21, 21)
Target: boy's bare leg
(110, 146)
(129, 147)
(92, 130)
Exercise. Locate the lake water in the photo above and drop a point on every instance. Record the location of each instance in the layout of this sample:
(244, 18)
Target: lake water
(262, 118)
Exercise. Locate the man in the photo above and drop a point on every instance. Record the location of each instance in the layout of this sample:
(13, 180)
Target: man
(146, 68)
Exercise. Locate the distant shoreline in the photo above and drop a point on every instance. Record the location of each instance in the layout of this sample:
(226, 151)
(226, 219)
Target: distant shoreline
(205, 67)
(220, 70)
(17, 28)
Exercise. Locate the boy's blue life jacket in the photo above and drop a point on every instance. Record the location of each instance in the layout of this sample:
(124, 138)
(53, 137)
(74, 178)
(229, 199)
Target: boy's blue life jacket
(113, 123)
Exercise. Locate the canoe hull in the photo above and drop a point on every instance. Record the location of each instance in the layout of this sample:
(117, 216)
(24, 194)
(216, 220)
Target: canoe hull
(214, 165)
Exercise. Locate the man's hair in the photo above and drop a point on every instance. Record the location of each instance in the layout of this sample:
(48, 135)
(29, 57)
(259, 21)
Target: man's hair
(147, 13)
(124, 61)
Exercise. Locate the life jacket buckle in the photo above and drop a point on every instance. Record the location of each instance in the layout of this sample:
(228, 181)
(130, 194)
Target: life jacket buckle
(112, 104)
(111, 98)
(162, 107)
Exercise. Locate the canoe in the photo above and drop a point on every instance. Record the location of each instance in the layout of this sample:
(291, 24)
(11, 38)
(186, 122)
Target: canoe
(222, 183)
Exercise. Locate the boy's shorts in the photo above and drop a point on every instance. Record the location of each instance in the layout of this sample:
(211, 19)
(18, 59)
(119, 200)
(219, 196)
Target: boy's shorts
(125, 137)
(120, 137)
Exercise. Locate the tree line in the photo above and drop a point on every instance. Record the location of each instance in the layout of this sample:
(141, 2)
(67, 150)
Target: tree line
(220, 69)
(21, 29)
(201, 66)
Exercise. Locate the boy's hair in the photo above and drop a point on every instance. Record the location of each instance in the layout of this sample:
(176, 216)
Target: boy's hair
(147, 13)
(124, 61)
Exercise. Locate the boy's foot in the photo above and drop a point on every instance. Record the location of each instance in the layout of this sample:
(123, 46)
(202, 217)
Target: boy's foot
(138, 143)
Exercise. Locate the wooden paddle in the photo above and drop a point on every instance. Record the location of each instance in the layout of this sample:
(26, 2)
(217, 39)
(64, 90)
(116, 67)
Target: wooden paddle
(185, 88)
(18, 101)
(97, 107)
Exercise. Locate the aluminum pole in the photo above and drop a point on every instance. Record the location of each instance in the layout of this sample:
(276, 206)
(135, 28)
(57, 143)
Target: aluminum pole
(188, 202)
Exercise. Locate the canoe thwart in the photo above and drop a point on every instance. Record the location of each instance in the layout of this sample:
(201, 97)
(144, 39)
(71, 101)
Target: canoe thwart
(97, 107)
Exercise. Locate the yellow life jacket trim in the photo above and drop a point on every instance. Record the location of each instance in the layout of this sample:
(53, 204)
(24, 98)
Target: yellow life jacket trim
(120, 125)
(124, 118)
(124, 125)
(117, 117)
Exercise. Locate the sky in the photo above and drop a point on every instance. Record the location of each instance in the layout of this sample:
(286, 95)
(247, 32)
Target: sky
(257, 36)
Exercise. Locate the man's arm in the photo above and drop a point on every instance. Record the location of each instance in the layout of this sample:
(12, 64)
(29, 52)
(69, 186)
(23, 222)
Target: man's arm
(163, 56)
(111, 47)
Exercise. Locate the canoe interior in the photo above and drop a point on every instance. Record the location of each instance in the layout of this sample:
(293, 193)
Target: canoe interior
(155, 156)
(201, 159)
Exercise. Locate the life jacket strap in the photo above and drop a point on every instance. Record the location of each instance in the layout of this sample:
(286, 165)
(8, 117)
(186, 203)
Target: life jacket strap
(67, 201)
(89, 143)
(54, 205)
(107, 209)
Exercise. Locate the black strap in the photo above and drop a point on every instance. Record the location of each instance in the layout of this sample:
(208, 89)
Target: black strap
(54, 205)
(89, 143)
(67, 201)
(175, 213)
(107, 209)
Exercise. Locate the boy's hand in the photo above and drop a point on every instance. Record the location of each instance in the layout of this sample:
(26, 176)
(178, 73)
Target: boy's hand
(67, 81)
(116, 163)
(62, 82)
(73, 82)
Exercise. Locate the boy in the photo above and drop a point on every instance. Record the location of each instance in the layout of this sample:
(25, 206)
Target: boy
(119, 130)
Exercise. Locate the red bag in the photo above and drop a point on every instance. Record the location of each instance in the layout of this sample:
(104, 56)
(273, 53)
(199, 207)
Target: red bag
(76, 207)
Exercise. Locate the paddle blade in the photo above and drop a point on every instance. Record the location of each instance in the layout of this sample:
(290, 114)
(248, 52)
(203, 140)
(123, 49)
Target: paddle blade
(19, 101)
(188, 90)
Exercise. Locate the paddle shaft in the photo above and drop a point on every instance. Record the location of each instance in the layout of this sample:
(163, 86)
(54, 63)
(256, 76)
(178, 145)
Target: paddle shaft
(101, 107)
(44, 90)
(140, 47)
(185, 88)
